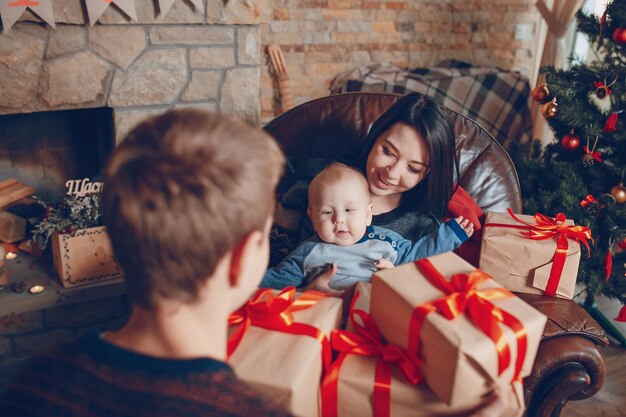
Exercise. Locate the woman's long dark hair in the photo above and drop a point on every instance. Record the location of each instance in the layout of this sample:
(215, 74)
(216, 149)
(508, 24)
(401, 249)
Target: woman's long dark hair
(433, 193)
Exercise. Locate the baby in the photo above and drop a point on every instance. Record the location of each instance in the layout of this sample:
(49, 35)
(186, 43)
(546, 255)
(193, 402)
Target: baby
(340, 209)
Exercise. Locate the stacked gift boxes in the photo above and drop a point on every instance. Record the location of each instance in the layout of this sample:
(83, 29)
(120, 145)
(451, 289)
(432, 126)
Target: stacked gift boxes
(488, 338)
(362, 389)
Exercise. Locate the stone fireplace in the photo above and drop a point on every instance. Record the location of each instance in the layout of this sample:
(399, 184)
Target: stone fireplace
(119, 71)
(188, 57)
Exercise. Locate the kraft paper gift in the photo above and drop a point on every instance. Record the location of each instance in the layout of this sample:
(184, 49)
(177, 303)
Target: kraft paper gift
(523, 264)
(460, 362)
(287, 367)
(84, 257)
(356, 386)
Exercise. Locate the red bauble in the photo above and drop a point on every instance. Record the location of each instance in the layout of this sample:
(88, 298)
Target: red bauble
(570, 142)
(622, 244)
(619, 36)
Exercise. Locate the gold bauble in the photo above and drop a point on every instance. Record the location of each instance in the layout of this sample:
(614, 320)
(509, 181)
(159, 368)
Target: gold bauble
(619, 193)
(549, 109)
(540, 93)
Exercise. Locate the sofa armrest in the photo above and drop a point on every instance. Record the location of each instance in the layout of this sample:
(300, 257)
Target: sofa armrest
(569, 365)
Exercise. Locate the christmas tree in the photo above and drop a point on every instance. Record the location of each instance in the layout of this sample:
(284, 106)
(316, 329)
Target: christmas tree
(581, 173)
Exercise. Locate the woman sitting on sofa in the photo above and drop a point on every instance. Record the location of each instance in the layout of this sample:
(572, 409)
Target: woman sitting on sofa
(410, 164)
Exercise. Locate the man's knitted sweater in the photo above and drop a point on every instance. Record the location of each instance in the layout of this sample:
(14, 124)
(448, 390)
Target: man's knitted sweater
(92, 377)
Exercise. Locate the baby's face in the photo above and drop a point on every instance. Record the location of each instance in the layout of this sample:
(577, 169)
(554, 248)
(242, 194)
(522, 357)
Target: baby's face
(340, 212)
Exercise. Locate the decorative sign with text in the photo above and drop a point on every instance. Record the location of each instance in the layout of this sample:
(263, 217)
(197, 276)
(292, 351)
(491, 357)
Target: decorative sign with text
(80, 188)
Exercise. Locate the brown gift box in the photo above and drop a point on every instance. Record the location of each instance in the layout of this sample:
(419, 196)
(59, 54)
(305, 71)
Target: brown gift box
(521, 264)
(284, 367)
(356, 388)
(460, 361)
(84, 257)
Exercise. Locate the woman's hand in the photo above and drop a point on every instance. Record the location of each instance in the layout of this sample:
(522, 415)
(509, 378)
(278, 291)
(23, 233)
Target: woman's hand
(383, 263)
(466, 225)
(320, 282)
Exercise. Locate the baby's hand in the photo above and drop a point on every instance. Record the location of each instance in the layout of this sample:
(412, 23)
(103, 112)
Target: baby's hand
(383, 263)
(466, 225)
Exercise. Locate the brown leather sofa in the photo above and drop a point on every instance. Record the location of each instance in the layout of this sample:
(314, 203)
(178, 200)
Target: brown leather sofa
(569, 365)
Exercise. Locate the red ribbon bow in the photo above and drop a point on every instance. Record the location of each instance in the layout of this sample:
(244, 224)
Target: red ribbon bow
(462, 296)
(600, 84)
(595, 155)
(274, 312)
(547, 228)
(368, 341)
(589, 199)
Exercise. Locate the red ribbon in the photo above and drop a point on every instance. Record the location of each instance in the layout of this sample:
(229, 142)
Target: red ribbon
(548, 228)
(367, 341)
(274, 312)
(600, 84)
(589, 199)
(463, 297)
(595, 155)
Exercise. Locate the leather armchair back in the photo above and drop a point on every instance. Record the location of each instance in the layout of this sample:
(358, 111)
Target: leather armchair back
(330, 127)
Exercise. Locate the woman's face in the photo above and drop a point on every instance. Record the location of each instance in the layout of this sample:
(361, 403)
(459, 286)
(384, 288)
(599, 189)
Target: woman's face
(397, 162)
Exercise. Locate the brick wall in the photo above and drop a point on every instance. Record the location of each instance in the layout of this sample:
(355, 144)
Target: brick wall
(321, 38)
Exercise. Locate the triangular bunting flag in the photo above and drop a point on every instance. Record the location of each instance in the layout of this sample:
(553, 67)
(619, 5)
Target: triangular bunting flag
(164, 6)
(95, 8)
(11, 10)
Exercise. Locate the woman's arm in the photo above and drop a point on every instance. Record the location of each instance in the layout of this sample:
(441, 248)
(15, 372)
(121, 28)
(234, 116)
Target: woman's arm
(448, 237)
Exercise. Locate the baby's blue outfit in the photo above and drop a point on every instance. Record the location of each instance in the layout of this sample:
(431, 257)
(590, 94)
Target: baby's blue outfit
(356, 262)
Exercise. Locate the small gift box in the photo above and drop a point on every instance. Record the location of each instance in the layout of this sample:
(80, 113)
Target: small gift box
(469, 331)
(533, 254)
(279, 345)
(84, 257)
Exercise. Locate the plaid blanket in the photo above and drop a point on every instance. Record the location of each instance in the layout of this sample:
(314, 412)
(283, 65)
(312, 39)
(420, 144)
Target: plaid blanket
(497, 100)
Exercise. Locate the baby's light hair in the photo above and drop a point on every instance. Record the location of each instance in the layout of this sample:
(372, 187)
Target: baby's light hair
(335, 173)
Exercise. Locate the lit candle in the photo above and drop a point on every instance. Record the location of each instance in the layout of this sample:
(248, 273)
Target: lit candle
(36, 289)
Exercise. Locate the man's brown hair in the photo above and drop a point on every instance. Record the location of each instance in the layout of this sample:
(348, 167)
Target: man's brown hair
(182, 190)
